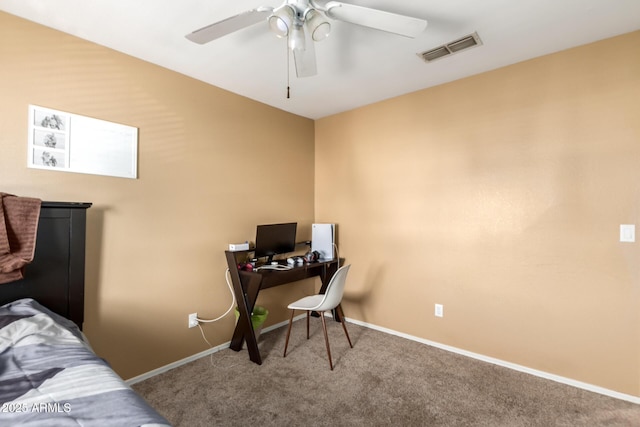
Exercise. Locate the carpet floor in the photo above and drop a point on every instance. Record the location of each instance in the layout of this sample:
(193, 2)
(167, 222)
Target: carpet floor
(384, 380)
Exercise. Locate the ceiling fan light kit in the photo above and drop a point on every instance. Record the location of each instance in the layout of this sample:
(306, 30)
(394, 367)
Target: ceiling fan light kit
(292, 17)
(281, 21)
(318, 27)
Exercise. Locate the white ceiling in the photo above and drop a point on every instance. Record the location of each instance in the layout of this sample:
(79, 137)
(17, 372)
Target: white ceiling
(356, 65)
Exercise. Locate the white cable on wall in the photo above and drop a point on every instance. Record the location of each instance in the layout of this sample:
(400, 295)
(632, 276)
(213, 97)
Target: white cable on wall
(233, 302)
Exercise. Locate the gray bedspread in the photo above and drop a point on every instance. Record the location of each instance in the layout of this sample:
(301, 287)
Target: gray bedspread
(49, 376)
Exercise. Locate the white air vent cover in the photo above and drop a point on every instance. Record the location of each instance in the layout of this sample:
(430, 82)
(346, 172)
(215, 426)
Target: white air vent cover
(455, 46)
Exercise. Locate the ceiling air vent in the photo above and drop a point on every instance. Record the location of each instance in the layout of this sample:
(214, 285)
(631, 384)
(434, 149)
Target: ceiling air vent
(455, 46)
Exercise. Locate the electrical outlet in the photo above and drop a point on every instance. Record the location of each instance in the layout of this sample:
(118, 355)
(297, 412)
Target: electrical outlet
(193, 320)
(439, 310)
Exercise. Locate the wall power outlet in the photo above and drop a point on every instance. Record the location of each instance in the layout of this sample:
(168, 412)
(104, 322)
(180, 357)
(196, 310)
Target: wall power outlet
(193, 320)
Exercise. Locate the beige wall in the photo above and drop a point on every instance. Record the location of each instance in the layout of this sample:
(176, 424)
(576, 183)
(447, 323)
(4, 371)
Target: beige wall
(210, 169)
(499, 196)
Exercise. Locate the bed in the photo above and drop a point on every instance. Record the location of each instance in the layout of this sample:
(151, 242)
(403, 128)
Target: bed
(49, 375)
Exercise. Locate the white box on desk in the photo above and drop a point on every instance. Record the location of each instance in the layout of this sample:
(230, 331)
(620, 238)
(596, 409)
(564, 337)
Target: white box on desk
(239, 246)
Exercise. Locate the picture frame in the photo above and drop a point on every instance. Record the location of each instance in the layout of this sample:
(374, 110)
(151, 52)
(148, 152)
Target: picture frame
(70, 142)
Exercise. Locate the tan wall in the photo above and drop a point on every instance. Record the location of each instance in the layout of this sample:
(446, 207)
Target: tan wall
(499, 196)
(210, 169)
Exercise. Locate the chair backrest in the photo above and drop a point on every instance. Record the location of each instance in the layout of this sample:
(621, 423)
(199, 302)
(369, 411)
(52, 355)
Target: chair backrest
(335, 289)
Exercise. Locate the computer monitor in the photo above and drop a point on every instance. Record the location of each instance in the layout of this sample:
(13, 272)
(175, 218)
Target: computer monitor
(274, 239)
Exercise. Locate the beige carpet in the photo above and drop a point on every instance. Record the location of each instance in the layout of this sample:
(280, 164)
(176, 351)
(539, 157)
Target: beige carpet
(383, 381)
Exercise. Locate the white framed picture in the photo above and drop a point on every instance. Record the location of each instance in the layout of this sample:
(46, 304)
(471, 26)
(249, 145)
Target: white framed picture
(69, 142)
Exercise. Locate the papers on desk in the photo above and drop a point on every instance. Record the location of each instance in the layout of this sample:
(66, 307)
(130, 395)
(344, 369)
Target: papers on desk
(274, 267)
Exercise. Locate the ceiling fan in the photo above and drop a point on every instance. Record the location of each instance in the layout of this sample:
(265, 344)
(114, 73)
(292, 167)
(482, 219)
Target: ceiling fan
(304, 22)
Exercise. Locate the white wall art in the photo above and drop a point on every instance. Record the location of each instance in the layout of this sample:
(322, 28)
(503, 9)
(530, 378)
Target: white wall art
(73, 143)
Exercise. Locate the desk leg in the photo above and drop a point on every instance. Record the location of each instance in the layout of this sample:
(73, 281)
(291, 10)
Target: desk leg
(246, 295)
(244, 328)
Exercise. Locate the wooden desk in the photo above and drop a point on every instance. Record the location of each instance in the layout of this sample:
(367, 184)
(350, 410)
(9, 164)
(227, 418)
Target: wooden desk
(247, 285)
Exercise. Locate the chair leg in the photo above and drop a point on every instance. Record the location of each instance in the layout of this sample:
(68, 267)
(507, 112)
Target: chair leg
(286, 342)
(326, 338)
(344, 323)
(308, 315)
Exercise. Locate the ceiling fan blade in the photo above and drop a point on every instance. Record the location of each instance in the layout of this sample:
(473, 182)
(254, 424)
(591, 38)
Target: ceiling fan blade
(305, 60)
(373, 18)
(229, 25)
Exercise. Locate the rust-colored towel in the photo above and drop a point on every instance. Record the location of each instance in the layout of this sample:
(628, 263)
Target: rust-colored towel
(18, 229)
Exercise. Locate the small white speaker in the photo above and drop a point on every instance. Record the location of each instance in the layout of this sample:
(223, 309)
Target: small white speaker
(322, 240)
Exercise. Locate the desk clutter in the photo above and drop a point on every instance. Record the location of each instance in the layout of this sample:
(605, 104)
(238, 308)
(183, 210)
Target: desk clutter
(292, 261)
(296, 260)
(279, 239)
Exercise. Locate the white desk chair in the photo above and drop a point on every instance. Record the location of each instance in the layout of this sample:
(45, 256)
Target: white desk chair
(330, 300)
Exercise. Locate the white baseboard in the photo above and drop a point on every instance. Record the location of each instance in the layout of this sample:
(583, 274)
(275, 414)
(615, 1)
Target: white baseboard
(515, 367)
(498, 362)
(197, 356)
